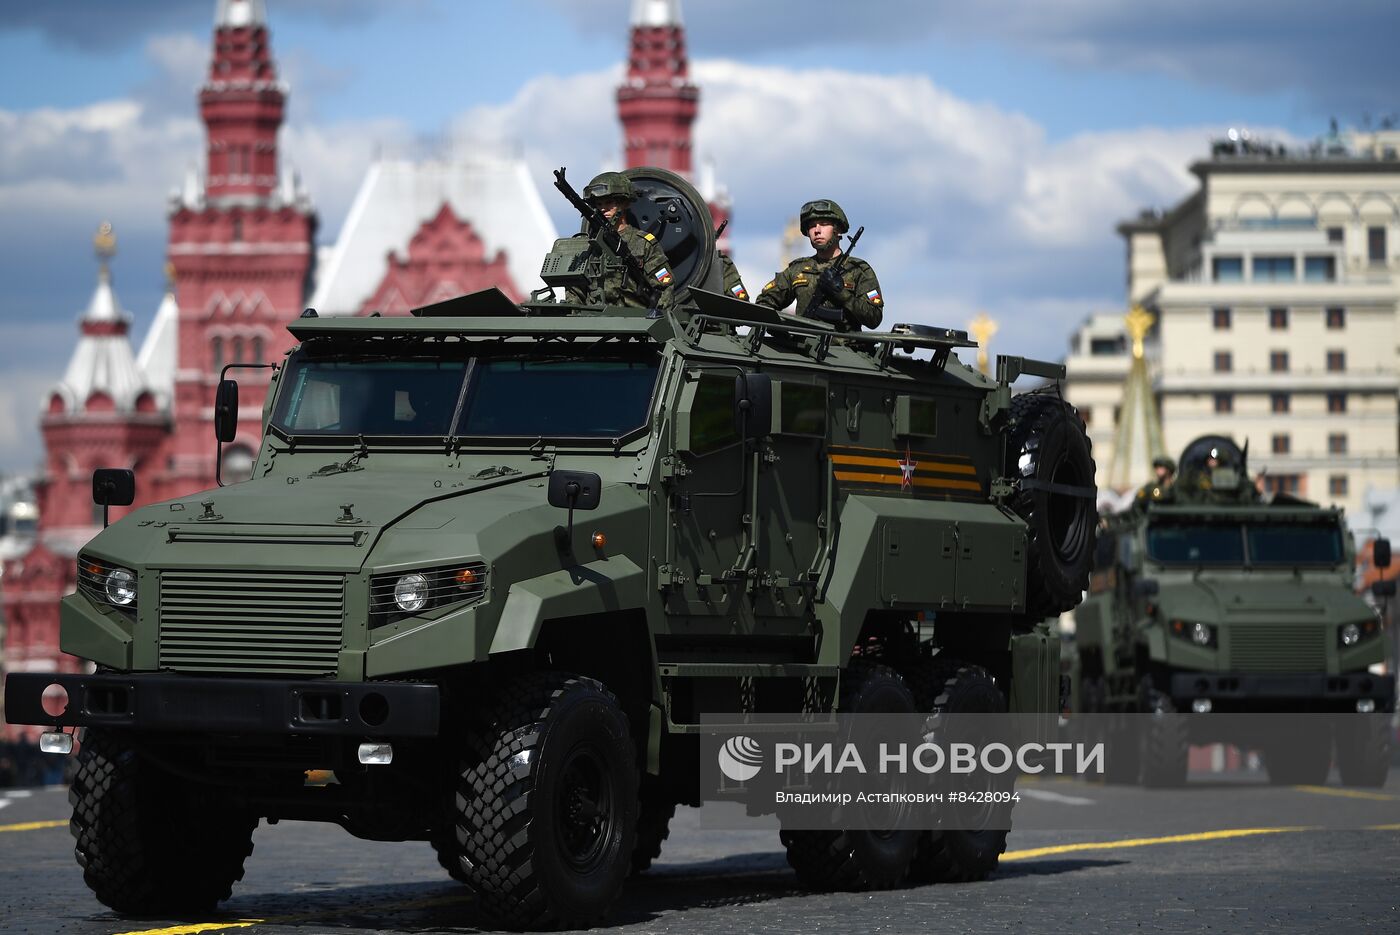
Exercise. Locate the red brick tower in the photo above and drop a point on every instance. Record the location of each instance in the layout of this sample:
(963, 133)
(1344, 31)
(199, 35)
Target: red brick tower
(101, 414)
(657, 104)
(241, 244)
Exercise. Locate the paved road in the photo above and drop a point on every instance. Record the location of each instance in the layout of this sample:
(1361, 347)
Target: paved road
(1232, 855)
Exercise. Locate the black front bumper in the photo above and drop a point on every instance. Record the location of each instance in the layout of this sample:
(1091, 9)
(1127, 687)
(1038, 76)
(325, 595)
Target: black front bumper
(160, 702)
(1259, 687)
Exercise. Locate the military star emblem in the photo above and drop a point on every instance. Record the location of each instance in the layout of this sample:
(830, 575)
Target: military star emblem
(906, 470)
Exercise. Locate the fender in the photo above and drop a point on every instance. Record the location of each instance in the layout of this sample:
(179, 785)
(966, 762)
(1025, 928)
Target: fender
(612, 584)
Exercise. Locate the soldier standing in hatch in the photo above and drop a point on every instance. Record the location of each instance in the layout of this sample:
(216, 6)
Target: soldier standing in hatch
(612, 193)
(854, 293)
(1160, 487)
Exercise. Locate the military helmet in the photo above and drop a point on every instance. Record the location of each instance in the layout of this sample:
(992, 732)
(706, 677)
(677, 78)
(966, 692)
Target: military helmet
(823, 208)
(1162, 461)
(610, 185)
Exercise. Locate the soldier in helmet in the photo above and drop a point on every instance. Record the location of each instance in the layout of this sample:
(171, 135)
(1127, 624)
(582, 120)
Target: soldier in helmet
(612, 193)
(1159, 488)
(854, 293)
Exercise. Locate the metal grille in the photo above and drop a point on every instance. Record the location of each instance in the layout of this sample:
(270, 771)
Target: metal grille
(1276, 648)
(282, 623)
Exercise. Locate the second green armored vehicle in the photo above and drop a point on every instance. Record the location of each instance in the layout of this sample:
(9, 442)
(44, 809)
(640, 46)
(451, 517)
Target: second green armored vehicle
(1207, 599)
(496, 561)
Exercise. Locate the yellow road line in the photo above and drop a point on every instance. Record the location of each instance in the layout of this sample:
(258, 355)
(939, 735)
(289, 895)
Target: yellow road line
(197, 927)
(1144, 842)
(1347, 793)
(1383, 828)
(200, 927)
(35, 825)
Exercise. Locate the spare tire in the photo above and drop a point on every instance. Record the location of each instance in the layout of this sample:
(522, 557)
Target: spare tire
(1048, 455)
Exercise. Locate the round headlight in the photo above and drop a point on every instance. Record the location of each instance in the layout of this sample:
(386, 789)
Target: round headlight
(1200, 634)
(121, 587)
(411, 593)
(1351, 634)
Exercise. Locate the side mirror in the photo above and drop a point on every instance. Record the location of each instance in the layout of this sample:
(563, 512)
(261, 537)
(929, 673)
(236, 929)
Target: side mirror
(1380, 553)
(113, 487)
(1383, 588)
(753, 405)
(226, 411)
(573, 490)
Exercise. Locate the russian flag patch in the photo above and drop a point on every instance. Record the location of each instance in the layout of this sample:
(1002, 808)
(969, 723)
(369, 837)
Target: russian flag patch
(874, 296)
(663, 276)
(739, 292)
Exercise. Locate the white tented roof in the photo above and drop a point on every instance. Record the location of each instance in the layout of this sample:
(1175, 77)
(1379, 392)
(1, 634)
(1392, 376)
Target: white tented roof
(159, 351)
(494, 193)
(102, 362)
(236, 13)
(656, 12)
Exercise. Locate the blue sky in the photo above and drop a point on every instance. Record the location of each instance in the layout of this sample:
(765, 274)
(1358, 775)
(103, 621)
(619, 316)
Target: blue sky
(987, 147)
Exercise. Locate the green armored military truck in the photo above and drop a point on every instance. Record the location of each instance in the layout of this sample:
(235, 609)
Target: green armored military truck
(1207, 599)
(495, 562)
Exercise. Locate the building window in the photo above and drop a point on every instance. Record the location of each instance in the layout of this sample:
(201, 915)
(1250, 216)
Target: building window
(1273, 269)
(1375, 244)
(1278, 319)
(1337, 443)
(1117, 415)
(238, 350)
(1102, 347)
(1336, 361)
(1283, 483)
(1224, 402)
(1224, 362)
(257, 349)
(216, 352)
(1336, 318)
(1278, 361)
(1227, 269)
(1319, 269)
(1279, 402)
(1221, 317)
(1282, 444)
(1334, 235)
(1337, 485)
(237, 229)
(1336, 402)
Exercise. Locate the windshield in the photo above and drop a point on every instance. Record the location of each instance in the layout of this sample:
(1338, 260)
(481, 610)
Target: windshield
(1294, 544)
(527, 397)
(1246, 543)
(1198, 544)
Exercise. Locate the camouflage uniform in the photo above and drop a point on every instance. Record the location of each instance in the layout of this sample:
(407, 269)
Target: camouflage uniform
(733, 282)
(860, 303)
(617, 287)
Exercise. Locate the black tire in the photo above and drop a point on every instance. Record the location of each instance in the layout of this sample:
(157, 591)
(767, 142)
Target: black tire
(858, 859)
(961, 855)
(546, 804)
(1164, 744)
(444, 843)
(1300, 759)
(654, 814)
(1363, 749)
(1047, 445)
(148, 843)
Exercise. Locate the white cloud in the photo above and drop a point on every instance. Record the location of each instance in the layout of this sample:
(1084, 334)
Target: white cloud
(967, 206)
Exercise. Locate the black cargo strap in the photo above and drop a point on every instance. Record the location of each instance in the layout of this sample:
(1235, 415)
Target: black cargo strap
(1064, 490)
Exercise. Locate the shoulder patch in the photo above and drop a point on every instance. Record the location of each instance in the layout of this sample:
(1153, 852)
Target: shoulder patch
(771, 284)
(648, 236)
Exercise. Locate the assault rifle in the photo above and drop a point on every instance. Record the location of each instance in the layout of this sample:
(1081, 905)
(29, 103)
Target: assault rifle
(815, 308)
(606, 232)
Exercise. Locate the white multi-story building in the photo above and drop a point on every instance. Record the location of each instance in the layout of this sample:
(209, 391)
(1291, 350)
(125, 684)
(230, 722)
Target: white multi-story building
(1277, 291)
